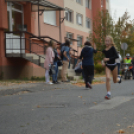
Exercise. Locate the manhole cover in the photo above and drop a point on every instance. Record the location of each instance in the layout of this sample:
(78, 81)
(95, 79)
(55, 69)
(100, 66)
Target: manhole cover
(53, 105)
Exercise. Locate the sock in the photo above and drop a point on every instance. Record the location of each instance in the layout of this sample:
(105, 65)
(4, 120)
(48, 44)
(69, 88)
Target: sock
(109, 92)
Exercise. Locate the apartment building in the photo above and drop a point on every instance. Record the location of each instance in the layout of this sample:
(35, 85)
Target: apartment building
(78, 23)
(41, 22)
(24, 25)
(80, 15)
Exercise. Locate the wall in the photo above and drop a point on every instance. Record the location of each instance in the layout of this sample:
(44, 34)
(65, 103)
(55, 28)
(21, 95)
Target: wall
(13, 68)
(46, 29)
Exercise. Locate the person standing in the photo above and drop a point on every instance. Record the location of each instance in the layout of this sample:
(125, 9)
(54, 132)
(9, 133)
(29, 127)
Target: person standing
(56, 59)
(88, 62)
(118, 61)
(66, 58)
(48, 61)
(110, 64)
(128, 60)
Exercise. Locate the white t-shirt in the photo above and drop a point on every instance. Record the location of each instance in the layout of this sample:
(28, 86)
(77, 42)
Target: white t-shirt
(118, 60)
(78, 66)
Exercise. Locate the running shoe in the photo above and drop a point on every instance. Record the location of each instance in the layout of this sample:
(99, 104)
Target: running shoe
(119, 80)
(89, 85)
(107, 97)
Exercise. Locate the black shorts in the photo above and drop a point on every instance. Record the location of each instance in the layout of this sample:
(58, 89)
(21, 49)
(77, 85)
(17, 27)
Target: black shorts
(111, 67)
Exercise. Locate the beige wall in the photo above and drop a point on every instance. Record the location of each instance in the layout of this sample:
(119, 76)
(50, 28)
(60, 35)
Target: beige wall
(108, 5)
(76, 8)
(47, 29)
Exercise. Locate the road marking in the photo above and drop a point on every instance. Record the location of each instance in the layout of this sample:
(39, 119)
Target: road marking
(114, 102)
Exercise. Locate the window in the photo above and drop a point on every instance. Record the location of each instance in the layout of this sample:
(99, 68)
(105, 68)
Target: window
(79, 19)
(88, 23)
(88, 3)
(50, 17)
(69, 15)
(101, 3)
(79, 1)
(70, 35)
(79, 43)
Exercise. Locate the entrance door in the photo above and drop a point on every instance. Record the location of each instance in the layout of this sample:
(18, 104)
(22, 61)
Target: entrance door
(15, 22)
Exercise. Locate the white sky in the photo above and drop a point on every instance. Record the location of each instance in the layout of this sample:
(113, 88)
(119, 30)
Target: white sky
(118, 7)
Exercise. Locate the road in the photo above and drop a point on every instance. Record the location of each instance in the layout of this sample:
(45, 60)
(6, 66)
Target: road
(67, 109)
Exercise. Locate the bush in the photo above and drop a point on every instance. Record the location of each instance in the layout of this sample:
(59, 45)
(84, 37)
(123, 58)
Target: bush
(38, 78)
(99, 68)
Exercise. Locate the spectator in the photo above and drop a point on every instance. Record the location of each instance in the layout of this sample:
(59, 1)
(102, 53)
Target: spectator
(49, 61)
(66, 58)
(56, 59)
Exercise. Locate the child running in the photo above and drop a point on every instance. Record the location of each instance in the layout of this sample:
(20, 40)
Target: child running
(110, 64)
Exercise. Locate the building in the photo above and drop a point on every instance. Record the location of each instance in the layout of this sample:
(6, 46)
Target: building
(26, 26)
(20, 52)
(80, 15)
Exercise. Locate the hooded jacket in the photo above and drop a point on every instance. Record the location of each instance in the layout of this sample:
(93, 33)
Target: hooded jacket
(87, 56)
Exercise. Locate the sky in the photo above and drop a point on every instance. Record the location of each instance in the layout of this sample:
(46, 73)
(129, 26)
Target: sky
(119, 7)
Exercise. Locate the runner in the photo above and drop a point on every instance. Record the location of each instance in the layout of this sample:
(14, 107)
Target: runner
(110, 64)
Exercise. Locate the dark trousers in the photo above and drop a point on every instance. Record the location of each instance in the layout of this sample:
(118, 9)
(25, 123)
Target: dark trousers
(89, 73)
(55, 76)
(118, 65)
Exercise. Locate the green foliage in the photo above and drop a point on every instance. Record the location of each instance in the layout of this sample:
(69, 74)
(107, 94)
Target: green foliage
(1, 75)
(38, 78)
(121, 31)
(99, 68)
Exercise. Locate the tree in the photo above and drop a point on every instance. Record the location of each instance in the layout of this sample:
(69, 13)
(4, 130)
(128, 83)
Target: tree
(121, 31)
(102, 26)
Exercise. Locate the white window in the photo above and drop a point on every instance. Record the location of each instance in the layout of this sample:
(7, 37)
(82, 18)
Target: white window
(88, 23)
(88, 4)
(50, 17)
(69, 15)
(79, 19)
(101, 3)
(70, 36)
(79, 38)
(79, 1)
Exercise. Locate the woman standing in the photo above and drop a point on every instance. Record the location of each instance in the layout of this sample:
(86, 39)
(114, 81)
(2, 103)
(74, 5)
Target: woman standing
(88, 62)
(49, 61)
(110, 64)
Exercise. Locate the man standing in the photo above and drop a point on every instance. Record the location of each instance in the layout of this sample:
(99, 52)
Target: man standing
(65, 50)
(128, 60)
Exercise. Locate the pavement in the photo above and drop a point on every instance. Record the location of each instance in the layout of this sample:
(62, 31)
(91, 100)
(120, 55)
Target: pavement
(37, 108)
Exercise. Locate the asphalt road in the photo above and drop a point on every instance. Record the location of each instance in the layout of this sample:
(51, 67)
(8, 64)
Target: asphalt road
(67, 109)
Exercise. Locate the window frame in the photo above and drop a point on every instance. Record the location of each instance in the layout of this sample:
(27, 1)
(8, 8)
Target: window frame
(89, 4)
(79, 36)
(88, 19)
(71, 11)
(81, 19)
(69, 33)
(79, 2)
(49, 22)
